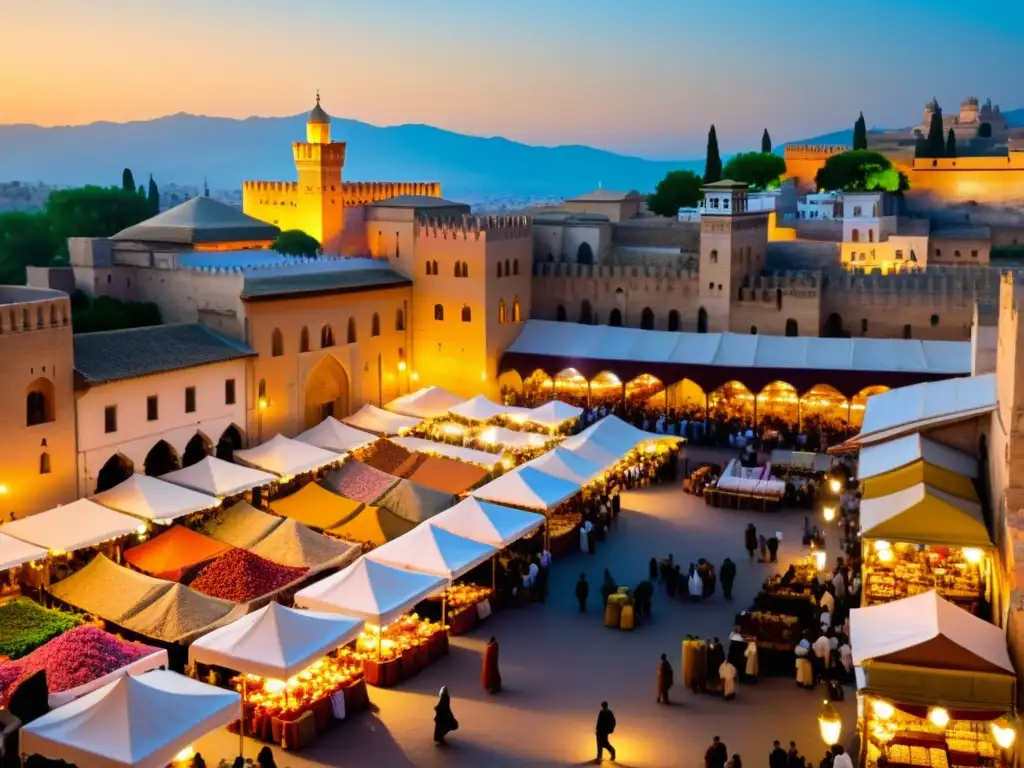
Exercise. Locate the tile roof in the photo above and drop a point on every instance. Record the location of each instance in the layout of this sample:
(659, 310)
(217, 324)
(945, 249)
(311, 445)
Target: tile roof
(199, 220)
(417, 201)
(605, 196)
(107, 356)
(341, 281)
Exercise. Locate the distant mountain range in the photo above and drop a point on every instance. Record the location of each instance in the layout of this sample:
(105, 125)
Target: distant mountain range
(187, 148)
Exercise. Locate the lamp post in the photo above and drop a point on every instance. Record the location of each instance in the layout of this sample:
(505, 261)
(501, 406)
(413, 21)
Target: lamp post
(829, 724)
(261, 406)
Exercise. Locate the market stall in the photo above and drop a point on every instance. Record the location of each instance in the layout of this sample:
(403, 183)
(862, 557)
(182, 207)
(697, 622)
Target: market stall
(134, 722)
(746, 487)
(448, 476)
(425, 403)
(176, 554)
(371, 527)
(434, 448)
(415, 502)
(889, 467)
(528, 488)
(216, 477)
(295, 545)
(14, 555)
(567, 465)
(512, 440)
(73, 526)
(293, 680)
(180, 615)
(370, 418)
(153, 500)
(242, 576)
(332, 435)
(488, 523)
(316, 507)
(554, 415)
(479, 409)
(360, 482)
(108, 591)
(920, 539)
(934, 685)
(287, 458)
(242, 525)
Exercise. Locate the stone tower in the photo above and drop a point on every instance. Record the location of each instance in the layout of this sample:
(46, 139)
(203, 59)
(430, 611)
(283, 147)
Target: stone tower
(733, 245)
(319, 199)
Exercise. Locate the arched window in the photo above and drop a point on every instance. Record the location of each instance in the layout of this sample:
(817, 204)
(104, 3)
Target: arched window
(427, 267)
(586, 313)
(276, 343)
(584, 254)
(647, 319)
(433, 266)
(262, 389)
(956, 254)
(44, 463)
(375, 325)
(502, 317)
(508, 270)
(39, 402)
(500, 271)
(855, 235)
(351, 334)
(458, 269)
(438, 312)
(304, 340)
(327, 336)
(673, 320)
(938, 253)
(517, 315)
(615, 318)
(702, 320)
(753, 330)
(871, 235)
(398, 246)
(906, 331)
(791, 328)
(400, 320)
(53, 314)
(913, 255)
(465, 270)
(467, 314)
(713, 257)
(560, 314)
(515, 267)
(934, 320)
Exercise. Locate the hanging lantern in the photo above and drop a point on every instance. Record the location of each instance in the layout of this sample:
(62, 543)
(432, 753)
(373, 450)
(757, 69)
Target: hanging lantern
(973, 555)
(835, 485)
(885, 555)
(1004, 733)
(880, 545)
(829, 513)
(938, 717)
(819, 559)
(829, 723)
(883, 709)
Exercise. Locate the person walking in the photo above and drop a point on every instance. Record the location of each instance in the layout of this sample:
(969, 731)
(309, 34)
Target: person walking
(582, 592)
(664, 679)
(734, 762)
(444, 720)
(490, 676)
(777, 758)
(773, 549)
(716, 755)
(793, 757)
(652, 570)
(605, 728)
(727, 574)
(750, 540)
(839, 757)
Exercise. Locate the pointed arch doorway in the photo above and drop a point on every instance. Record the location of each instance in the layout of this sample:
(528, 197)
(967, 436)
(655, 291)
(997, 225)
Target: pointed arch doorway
(326, 392)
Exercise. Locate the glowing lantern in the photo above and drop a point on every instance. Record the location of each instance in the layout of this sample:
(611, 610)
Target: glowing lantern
(263, 403)
(829, 513)
(275, 686)
(1003, 733)
(506, 463)
(3, 489)
(883, 709)
(819, 559)
(142, 529)
(185, 755)
(885, 555)
(938, 717)
(452, 429)
(401, 365)
(973, 556)
(880, 545)
(414, 376)
(829, 724)
(835, 485)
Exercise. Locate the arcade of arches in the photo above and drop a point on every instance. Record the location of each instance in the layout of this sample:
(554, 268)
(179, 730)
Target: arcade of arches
(326, 392)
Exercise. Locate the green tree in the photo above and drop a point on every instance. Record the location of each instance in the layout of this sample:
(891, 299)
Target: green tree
(951, 144)
(936, 136)
(26, 240)
(860, 170)
(295, 242)
(127, 180)
(679, 189)
(153, 196)
(860, 133)
(106, 313)
(713, 163)
(921, 146)
(985, 131)
(93, 212)
(142, 191)
(766, 142)
(758, 169)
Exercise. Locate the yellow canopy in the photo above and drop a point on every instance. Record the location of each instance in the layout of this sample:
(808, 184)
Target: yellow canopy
(374, 525)
(920, 472)
(923, 514)
(316, 507)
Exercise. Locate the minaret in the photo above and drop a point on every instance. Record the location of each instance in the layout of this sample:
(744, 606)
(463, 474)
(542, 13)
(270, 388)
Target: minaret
(318, 162)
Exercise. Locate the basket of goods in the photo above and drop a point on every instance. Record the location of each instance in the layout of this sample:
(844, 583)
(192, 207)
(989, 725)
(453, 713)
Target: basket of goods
(694, 661)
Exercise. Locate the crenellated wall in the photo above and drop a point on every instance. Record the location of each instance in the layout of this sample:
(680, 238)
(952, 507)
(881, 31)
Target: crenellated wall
(369, 192)
(476, 227)
(998, 181)
(804, 160)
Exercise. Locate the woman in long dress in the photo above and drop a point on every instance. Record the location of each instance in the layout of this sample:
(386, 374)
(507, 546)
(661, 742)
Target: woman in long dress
(444, 720)
(753, 663)
(491, 676)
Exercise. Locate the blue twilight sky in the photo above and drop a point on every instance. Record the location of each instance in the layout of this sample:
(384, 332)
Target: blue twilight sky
(645, 77)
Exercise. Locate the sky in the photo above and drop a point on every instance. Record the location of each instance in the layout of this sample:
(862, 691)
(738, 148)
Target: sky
(645, 77)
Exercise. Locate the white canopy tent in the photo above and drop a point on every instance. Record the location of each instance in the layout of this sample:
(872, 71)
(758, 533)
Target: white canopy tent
(134, 722)
(15, 552)
(553, 414)
(275, 642)
(286, 457)
(381, 422)
(468, 455)
(488, 523)
(372, 591)
(567, 465)
(332, 435)
(425, 403)
(220, 478)
(594, 450)
(77, 525)
(436, 551)
(150, 498)
(510, 438)
(479, 408)
(527, 487)
(880, 458)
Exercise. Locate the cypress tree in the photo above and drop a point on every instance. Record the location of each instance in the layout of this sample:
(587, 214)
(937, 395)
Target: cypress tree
(766, 142)
(921, 147)
(142, 191)
(127, 180)
(936, 138)
(951, 144)
(713, 162)
(860, 133)
(153, 196)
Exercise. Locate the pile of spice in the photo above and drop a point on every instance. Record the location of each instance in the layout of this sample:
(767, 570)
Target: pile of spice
(241, 576)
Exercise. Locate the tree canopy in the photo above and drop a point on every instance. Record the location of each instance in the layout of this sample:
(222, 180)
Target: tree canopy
(985, 131)
(153, 197)
(105, 313)
(936, 141)
(713, 161)
(127, 180)
(679, 189)
(94, 212)
(860, 170)
(766, 142)
(758, 169)
(860, 133)
(295, 242)
(951, 143)
(26, 240)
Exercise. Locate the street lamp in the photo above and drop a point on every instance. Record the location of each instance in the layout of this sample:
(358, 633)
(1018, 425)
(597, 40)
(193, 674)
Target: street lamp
(829, 723)
(261, 404)
(3, 489)
(829, 513)
(1003, 733)
(835, 485)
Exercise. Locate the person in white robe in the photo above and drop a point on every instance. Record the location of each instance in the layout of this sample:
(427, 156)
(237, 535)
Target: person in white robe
(728, 674)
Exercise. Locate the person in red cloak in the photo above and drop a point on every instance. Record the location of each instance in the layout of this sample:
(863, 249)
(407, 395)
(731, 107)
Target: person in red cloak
(491, 677)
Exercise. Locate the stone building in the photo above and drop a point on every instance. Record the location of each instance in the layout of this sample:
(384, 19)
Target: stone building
(968, 120)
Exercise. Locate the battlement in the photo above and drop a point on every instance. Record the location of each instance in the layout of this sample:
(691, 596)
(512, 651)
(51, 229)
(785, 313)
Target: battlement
(370, 192)
(333, 153)
(765, 289)
(276, 187)
(23, 309)
(475, 227)
(965, 284)
(813, 151)
(600, 271)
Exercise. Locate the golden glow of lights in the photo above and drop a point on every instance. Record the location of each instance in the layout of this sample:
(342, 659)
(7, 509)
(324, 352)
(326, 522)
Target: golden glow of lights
(483, 375)
(185, 755)
(414, 376)
(142, 530)
(973, 556)
(263, 403)
(882, 545)
(506, 463)
(489, 436)
(829, 513)
(835, 485)
(938, 717)
(883, 709)
(518, 418)
(819, 559)
(652, 448)
(3, 489)
(401, 365)
(275, 686)
(885, 555)
(452, 429)
(1003, 733)
(829, 724)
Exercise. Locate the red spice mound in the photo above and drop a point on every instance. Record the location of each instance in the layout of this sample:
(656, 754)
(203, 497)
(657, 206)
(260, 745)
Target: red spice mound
(77, 657)
(241, 576)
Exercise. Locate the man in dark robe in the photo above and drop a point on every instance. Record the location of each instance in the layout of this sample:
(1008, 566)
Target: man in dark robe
(728, 576)
(664, 679)
(777, 758)
(605, 728)
(717, 755)
(490, 676)
(582, 592)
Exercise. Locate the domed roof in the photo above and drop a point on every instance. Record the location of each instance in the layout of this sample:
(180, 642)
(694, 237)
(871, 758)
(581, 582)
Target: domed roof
(317, 114)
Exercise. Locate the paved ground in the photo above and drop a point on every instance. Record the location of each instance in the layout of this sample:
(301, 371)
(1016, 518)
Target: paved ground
(557, 666)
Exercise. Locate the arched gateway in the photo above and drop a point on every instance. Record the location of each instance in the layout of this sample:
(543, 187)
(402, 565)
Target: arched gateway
(327, 392)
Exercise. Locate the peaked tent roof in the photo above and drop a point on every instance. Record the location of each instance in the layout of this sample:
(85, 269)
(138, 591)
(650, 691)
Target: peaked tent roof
(286, 457)
(553, 413)
(916, 473)
(220, 478)
(174, 552)
(467, 455)
(150, 498)
(881, 458)
(331, 435)
(437, 551)
(488, 523)
(77, 525)
(316, 507)
(528, 487)
(141, 722)
(275, 642)
(105, 589)
(922, 514)
(242, 525)
(927, 631)
(415, 502)
(181, 614)
(294, 544)
(381, 422)
(478, 408)
(15, 552)
(567, 465)
(511, 438)
(373, 525)
(199, 220)
(372, 591)
(426, 403)
(359, 481)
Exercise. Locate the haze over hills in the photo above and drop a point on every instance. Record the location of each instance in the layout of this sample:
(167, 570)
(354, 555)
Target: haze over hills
(187, 148)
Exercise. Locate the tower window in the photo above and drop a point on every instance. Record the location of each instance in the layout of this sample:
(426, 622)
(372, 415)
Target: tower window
(110, 419)
(190, 399)
(375, 325)
(438, 312)
(229, 392)
(44, 463)
(500, 273)
(152, 408)
(351, 336)
(516, 312)
(276, 343)
(467, 314)
(713, 258)
(502, 312)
